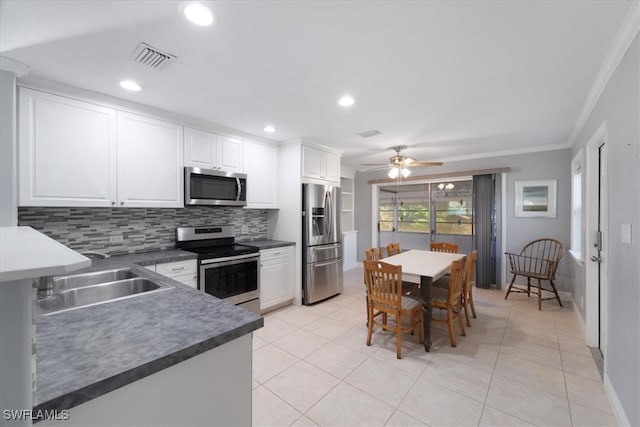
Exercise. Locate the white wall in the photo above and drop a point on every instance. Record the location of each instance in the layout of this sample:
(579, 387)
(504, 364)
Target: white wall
(8, 172)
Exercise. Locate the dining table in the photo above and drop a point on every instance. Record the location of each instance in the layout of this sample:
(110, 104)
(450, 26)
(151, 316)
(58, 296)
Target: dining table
(430, 266)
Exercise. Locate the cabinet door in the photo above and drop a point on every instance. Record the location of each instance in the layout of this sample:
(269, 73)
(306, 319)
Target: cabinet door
(261, 167)
(276, 277)
(67, 151)
(200, 149)
(332, 168)
(230, 154)
(149, 162)
(312, 163)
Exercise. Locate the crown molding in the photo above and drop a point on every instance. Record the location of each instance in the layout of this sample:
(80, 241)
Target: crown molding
(619, 47)
(18, 68)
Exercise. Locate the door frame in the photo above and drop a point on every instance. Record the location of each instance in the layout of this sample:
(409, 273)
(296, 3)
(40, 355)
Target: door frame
(592, 314)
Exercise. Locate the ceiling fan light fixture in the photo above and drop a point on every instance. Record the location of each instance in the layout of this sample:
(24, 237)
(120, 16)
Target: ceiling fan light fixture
(405, 172)
(394, 172)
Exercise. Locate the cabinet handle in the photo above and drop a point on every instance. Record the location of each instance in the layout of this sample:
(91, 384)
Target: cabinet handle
(121, 203)
(177, 268)
(113, 203)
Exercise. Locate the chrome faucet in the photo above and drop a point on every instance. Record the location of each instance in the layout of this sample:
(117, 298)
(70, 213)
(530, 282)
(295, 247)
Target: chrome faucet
(95, 254)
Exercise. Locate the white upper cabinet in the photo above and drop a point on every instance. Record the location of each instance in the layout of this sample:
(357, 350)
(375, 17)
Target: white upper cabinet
(76, 153)
(200, 149)
(67, 151)
(261, 166)
(210, 151)
(149, 162)
(320, 165)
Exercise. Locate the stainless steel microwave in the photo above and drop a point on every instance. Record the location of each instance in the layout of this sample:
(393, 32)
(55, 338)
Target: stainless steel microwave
(214, 187)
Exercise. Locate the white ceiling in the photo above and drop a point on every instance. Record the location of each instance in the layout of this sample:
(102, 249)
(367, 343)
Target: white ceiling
(448, 79)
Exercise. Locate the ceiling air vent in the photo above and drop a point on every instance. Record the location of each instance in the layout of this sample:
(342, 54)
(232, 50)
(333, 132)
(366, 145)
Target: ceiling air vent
(369, 133)
(151, 57)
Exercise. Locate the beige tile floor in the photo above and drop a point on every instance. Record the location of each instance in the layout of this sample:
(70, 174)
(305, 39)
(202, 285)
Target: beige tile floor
(516, 366)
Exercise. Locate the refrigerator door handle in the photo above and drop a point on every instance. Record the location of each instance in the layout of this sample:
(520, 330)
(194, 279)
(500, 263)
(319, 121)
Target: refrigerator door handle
(324, 264)
(326, 247)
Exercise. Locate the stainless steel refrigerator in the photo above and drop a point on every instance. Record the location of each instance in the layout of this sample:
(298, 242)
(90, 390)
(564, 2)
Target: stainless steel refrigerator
(321, 242)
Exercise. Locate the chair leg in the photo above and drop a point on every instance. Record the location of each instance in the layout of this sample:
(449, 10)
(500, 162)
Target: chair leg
(539, 295)
(398, 335)
(460, 322)
(367, 301)
(370, 325)
(452, 336)
(555, 292)
(465, 305)
(529, 286)
(513, 279)
(473, 308)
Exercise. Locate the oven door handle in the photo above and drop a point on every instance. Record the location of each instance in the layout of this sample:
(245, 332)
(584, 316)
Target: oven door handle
(229, 258)
(239, 190)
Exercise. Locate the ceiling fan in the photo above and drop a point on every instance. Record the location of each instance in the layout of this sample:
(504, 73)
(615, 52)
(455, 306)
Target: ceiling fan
(399, 164)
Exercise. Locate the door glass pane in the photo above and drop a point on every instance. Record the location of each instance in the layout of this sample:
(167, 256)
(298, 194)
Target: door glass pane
(414, 217)
(385, 218)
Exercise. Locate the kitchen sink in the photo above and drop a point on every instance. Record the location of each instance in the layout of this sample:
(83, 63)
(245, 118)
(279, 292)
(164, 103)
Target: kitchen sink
(90, 279)
(83, 290)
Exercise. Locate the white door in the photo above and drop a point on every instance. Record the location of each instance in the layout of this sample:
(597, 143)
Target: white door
(261, 167)
(149, 162)
(67, 151)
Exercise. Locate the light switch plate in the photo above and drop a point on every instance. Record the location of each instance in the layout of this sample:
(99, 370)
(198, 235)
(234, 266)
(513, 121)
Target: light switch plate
(626, 233)
(244, 229)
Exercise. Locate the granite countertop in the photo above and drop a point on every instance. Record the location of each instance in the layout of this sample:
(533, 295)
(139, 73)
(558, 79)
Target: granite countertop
(85, 353)
(267, 244)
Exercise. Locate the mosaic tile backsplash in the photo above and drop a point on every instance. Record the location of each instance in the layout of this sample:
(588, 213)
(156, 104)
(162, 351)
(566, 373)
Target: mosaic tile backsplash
(140, 229)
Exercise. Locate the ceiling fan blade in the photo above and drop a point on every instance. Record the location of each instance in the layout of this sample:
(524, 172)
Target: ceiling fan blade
(374, 164)
(425, 164)
(374, 167)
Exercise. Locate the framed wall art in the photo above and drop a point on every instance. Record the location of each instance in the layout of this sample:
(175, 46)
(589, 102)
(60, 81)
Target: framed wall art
(536, 199)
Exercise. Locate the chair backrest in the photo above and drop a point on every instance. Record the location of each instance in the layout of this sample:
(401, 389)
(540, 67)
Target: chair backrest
(384, 284)
(456, 281)
(373, 254)
(543, 256)
(469, 267)
(393, 249)
(444, 247)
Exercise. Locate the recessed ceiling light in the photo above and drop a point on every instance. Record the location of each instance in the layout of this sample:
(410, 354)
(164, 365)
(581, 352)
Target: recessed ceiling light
(130, 85)
(269, 128)
(198, 14)
(346, 101)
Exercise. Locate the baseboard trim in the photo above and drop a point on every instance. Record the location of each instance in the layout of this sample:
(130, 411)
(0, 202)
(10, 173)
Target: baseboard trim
(618, 411)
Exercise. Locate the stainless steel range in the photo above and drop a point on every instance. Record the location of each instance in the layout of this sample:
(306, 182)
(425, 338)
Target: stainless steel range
(226, 270)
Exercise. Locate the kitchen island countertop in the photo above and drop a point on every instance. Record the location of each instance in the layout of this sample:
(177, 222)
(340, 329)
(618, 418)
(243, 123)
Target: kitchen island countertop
(90, 351)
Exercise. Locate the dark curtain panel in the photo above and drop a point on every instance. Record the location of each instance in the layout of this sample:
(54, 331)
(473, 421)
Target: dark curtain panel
(484, 227)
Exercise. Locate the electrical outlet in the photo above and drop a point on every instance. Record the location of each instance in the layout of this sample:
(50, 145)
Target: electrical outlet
(244, 229)
(116, 238)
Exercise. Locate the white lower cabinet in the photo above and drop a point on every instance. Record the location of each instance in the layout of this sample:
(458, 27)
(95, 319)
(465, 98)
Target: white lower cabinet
(185, 272)
(277, 271)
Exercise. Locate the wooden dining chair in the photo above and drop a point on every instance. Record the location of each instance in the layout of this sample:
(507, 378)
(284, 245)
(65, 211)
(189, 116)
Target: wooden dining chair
(450, 299)
(384, 291)
(444, 247)
(371, 254)
(467, 288)
(537, 260)
(393, 249)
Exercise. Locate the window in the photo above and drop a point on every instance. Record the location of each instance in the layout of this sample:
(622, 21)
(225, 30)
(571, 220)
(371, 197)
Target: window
(577, 166)
(386, 213)
(453, 203)
(413, 217)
